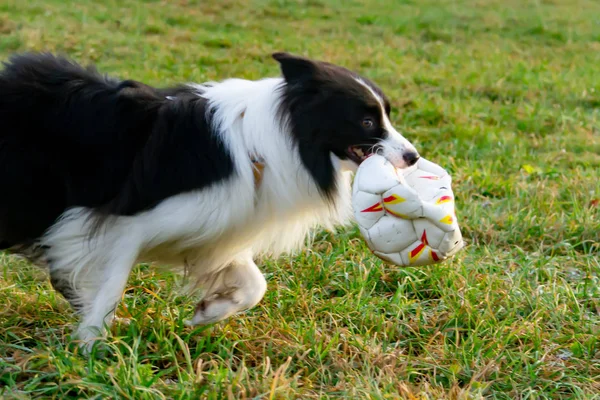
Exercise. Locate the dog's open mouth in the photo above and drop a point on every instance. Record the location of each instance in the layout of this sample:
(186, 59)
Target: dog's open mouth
(359, 153)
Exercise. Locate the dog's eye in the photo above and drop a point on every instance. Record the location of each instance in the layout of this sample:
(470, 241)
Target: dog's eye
(368, 123)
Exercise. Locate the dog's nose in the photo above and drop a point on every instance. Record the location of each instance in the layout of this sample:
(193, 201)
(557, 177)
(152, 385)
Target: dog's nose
(410, 158)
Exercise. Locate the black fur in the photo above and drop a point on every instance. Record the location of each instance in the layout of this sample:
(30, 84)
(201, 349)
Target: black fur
(71, 137)
(325, 105)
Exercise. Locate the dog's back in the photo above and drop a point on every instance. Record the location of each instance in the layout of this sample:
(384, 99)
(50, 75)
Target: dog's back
(59, 122)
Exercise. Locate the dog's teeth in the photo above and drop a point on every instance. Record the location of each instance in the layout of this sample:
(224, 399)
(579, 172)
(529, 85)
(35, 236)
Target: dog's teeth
(359, 152)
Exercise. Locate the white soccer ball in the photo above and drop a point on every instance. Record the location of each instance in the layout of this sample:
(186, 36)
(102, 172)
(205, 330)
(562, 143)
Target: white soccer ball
(406, 216)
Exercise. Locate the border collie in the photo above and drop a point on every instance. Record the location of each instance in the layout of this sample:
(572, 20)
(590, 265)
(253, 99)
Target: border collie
(99, 174)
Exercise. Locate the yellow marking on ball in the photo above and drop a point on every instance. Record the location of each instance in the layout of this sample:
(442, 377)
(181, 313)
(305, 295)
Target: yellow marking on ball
(394, 199)
(396, 214)
(444, 199)
(447, 219)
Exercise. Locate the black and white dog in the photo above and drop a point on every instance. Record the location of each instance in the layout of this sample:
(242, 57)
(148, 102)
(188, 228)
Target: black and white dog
(98, 174)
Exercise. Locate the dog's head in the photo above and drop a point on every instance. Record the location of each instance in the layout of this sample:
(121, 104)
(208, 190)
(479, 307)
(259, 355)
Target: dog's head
(335, 111)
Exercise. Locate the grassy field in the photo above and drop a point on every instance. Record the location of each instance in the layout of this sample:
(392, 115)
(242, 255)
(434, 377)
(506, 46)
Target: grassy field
(503, 93)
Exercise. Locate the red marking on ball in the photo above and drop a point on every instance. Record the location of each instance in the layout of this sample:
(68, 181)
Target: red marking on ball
(424, 237)
(374, 208)
(444, 199)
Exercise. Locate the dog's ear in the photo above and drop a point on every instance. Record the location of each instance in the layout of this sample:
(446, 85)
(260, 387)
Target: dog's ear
(294, 68)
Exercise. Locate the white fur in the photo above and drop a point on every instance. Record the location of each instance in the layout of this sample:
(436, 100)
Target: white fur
(215, 232)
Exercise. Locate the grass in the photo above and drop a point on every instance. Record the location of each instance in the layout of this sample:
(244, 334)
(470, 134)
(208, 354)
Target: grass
(504, 93)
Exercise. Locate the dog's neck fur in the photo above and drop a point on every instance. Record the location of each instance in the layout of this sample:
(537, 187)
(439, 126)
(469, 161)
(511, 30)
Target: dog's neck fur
(249, 109)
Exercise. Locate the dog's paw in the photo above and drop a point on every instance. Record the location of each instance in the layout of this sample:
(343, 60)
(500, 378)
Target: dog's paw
(214, 310)
(86, 338)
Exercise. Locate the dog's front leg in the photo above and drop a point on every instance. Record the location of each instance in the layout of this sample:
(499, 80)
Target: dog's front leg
(235, 288)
